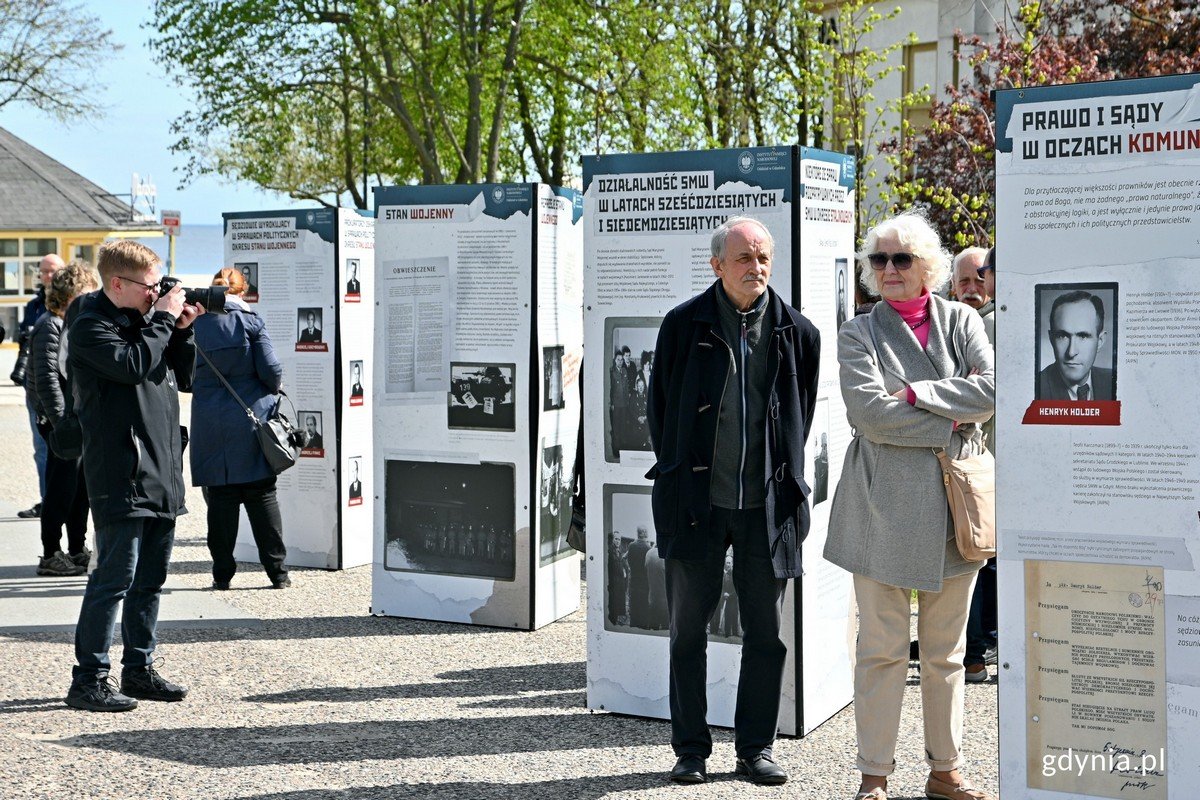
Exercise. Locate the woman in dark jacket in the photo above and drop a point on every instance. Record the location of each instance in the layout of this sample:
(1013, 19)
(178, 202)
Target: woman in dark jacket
(225, 455)
(66, 500)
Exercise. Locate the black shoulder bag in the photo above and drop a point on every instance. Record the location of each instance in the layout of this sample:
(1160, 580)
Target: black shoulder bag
(277, 436)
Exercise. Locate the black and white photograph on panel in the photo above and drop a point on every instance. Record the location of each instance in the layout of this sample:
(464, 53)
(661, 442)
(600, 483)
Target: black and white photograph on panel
(1076, 357)
(353, 279)
(635, 586)
(816, 452)
(354, 491)
(842, 294)
(312, 434)
(308, 330)
(554, 504)
(481, 396)
(357, 393)
(552, 370)
(249, 270)
(629, 349)
(450, 519)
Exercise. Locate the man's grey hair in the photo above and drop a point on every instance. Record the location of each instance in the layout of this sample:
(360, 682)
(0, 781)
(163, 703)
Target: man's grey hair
(722, 233)
(970, 251)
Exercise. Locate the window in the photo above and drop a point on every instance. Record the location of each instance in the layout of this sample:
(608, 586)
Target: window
(9, 266)
(40, 247)
(920, 74)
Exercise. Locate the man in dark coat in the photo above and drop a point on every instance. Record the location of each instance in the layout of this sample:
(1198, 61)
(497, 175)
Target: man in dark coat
(1076, 334)
(618, 580)
(639, 581)
(311, 333)
(731, 404)
(130, 352)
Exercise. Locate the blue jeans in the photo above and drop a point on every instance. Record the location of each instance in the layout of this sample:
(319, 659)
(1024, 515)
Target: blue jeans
(39, 448)
(132, 556)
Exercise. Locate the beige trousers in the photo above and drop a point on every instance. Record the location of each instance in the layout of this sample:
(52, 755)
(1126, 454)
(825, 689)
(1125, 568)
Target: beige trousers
(881, 670)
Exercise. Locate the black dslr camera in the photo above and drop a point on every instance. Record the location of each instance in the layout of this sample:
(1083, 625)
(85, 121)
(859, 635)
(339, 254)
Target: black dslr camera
(211, 297)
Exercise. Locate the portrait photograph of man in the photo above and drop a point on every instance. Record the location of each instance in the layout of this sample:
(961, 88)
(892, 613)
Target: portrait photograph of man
(629, 343)
(818, 472)
(314, 442)
(357, 393)
(308, 326)
(842, 289)
(353, 283)
(354, 490)
(1076, 342)
(249, 269)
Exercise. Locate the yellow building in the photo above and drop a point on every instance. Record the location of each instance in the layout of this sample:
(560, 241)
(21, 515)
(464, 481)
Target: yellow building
(47, 208)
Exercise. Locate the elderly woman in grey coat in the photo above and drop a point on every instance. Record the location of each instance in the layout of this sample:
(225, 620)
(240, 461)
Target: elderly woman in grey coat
(917, 377)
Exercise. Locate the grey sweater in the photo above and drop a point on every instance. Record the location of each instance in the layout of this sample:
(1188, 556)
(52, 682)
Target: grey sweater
(738, 477)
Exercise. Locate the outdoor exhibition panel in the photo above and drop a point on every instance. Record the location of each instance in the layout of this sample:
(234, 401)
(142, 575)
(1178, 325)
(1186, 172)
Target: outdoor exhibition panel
(648, 221)
(299, 267)
(478, 351)
(1098, 187)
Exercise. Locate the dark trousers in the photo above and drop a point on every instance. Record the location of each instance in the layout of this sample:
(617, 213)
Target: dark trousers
(65, 503)
(265, 523)
(982, 620)
(131, 565)
(693, 592)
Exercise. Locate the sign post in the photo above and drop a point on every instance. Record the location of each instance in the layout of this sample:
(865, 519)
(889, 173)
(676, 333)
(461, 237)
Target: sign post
(172, 227)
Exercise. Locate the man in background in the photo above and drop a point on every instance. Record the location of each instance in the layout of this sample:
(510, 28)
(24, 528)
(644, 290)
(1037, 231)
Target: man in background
(34, 310)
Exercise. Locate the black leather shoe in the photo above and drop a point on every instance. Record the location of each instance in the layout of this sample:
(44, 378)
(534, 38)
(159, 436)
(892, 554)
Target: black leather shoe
(689, 769)
(147, 684)
(31, 513)
(761, 769)
(281, 583)
(99, 694)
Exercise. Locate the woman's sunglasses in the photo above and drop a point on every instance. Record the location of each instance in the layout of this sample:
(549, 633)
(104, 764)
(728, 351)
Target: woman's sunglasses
(899, 260)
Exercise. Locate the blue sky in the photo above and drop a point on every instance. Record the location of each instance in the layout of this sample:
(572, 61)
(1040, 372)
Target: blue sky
(133, 135)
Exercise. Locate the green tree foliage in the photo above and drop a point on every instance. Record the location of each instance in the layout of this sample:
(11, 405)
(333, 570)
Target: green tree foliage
(487, 90)
(46, 52)
(950, 167)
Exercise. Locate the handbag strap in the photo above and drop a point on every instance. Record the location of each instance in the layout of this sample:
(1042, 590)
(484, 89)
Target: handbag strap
(217, 372)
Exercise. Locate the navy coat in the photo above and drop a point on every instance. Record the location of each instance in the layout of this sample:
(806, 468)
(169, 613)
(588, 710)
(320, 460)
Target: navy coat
(224, 448)
(690, 367)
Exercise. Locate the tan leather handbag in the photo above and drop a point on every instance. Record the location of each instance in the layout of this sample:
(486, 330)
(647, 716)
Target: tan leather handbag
(971, 491)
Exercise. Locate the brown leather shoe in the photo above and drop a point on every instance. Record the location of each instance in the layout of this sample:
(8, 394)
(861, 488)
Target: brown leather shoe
(936, 789)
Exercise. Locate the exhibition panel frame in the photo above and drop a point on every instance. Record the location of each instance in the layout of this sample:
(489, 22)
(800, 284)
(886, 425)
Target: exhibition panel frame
(648, 223)
(296, 265)
(1097, 212)
(478, 349)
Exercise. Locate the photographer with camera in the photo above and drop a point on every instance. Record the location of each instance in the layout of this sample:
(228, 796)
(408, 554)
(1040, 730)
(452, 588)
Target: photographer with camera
(130, 352)
(226, 457)
(35, 309)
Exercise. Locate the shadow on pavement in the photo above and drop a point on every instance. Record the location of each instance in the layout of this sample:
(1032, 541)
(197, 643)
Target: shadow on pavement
(487, 682)
(590, 788)
(228, 748)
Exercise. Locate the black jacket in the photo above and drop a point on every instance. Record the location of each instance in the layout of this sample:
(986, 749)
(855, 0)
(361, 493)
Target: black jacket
(690, 368)
(45, 374)
(126, 371)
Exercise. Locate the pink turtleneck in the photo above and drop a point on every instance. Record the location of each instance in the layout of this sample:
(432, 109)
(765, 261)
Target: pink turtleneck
(912, 312)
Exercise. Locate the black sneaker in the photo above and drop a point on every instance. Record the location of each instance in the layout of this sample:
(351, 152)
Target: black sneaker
(59, 565)
(281, 583)
(31, 513)
(147, 684)
(83, 558)
(99, 694)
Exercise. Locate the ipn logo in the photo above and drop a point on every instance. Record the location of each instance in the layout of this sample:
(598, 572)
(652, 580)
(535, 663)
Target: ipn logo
(746, 162)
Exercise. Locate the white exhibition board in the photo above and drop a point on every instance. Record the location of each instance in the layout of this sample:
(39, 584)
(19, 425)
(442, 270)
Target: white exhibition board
(290, 260)
(649, 220)
(478, 346)
(1098, 192)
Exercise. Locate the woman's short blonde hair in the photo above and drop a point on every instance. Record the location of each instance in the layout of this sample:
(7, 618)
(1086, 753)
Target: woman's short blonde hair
(74, 279)
(232, 278)
(915, 233)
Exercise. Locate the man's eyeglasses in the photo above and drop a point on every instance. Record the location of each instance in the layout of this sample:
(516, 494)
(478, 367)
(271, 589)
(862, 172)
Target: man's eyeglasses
(879, 261)
(151, 286)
